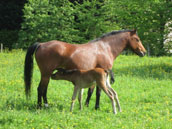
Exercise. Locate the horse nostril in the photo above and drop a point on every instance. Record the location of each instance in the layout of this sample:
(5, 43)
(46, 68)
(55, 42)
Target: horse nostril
(144, 53)
(141, 53)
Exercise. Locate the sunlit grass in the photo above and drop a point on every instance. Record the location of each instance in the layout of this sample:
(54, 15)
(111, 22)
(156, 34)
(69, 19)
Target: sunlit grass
(144, 87)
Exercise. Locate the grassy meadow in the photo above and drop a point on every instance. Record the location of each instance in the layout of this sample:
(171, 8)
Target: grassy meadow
(144, 87)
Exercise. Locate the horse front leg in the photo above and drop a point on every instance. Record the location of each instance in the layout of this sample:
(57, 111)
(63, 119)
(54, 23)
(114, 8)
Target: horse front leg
(89, 94)
(98, 93)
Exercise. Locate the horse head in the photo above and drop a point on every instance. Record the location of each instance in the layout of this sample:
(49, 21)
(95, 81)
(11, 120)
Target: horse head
(135, 44)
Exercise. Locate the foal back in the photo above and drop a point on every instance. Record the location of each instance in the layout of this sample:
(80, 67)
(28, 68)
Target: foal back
(81, 78)
(87, 78)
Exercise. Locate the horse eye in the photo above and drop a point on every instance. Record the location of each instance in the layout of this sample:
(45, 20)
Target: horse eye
(137, 40)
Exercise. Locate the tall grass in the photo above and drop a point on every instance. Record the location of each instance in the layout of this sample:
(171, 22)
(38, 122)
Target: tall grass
(144, 87)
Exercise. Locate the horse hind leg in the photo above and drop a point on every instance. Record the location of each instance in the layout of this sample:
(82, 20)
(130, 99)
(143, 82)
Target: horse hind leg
(42, 90)
(45, 96)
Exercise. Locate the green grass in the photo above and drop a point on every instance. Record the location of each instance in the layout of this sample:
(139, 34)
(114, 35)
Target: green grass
(144, 87)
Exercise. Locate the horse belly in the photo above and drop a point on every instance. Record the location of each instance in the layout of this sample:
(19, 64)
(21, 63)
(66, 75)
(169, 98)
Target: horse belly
(83, 61)
(104, 61)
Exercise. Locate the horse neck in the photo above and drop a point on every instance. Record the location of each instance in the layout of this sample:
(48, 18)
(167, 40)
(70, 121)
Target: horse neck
(117, 43)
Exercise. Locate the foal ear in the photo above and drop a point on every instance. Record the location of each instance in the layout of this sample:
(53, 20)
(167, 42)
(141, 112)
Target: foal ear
(133, 32)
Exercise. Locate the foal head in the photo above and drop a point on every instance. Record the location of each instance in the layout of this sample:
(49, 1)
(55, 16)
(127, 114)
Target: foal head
(62, 74)
(135, 44)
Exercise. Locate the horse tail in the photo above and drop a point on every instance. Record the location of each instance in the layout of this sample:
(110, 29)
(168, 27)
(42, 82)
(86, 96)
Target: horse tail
(28, 68)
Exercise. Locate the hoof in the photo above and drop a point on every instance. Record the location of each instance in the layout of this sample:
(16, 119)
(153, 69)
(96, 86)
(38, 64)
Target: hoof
(97, 107)
(46, 105)
(39, 106)
(87, 104)
(114, 113)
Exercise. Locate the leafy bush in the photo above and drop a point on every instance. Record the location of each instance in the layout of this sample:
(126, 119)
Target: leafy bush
(79, 22)
(10, 19)
(46, 20)
(50, 20)
(149, 17)
(8, 38)
(93, 19)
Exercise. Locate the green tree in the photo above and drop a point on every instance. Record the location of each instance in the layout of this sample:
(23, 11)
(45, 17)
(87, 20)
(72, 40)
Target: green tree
(75, 22)
(93, 18)
(149, 17)
(79, 22)
(46, 20)
(10, 20)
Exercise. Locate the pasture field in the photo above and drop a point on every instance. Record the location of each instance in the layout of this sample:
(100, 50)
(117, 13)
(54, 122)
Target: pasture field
(144, 87)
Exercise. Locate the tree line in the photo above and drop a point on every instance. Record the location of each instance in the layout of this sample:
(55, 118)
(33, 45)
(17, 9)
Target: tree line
(79, 21)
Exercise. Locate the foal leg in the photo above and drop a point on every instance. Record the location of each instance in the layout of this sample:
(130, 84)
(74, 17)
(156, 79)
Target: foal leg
(73, 98)
(90, 92)
(80, 97)
(113, 92)
(116, 98)
(110, 95)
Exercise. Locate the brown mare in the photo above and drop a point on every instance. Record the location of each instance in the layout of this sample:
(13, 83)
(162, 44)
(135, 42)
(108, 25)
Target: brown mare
(85, 79)
(97, 53)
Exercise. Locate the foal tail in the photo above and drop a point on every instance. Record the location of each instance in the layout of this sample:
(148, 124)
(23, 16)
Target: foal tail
(28, 68)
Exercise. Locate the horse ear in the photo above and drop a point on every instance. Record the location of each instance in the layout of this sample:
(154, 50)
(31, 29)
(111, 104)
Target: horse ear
(133, 32)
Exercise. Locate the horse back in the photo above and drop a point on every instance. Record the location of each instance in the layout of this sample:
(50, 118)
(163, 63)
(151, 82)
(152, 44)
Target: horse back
(55, 54)
(51, 55)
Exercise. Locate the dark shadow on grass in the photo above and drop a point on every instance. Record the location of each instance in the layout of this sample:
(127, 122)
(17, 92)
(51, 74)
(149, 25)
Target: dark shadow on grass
(157, 71)
(4, 121)
(19, 104)
(59, 106)
(23, 104)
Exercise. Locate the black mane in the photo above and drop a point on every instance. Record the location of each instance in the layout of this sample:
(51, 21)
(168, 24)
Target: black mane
(114, 33)
(111, 33)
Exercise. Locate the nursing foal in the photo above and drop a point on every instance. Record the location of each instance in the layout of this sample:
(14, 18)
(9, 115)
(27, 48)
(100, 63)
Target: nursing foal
(85, 79)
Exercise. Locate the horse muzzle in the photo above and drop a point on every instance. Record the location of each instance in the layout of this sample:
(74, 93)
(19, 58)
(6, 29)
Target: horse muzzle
(141, 54)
